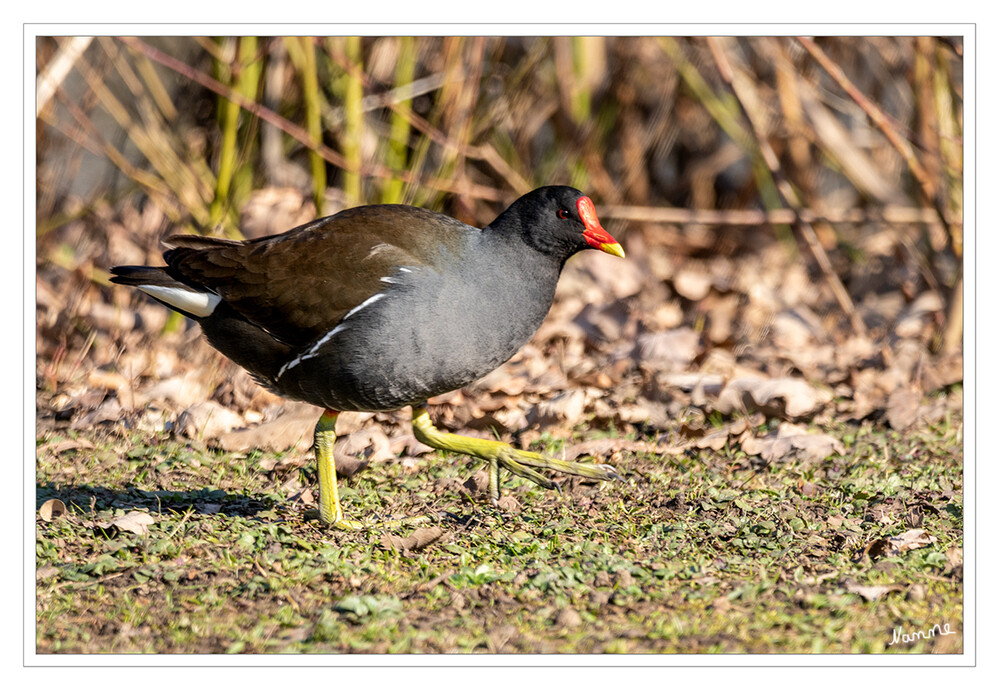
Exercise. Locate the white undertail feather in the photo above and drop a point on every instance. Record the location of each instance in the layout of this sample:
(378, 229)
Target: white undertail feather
(200, 304)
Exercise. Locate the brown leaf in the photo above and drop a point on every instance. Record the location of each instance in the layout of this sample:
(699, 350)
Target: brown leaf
(207, 421)
(790, 441)
(565, 408)
(509, 504)
(912, 539)
(668, 351)
(903, 408)
(369, 443)
(52, 509)
(478, 483)
(271, 210)
(419, 539)
(894, 546)
(109, 411)
(872, 592)
(694, 284)
(780, 397)
(183, 390)
(292, 429)
(135, 521)
(58, 447)
(716, 439)
(568, 618)
(603, 447)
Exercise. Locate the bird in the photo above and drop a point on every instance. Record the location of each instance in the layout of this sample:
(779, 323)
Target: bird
(380, 307)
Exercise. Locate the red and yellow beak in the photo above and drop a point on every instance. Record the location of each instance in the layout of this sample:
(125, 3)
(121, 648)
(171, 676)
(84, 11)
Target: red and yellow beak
(594, 233)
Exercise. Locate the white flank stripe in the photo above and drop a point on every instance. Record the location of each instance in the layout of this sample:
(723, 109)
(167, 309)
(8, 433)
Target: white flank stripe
(314, 350)
(198, 303)
(366, 303)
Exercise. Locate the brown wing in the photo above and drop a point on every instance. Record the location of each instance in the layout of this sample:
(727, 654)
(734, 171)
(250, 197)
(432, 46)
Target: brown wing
(300, 284)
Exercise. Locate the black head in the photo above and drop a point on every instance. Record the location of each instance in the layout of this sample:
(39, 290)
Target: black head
(558, 221)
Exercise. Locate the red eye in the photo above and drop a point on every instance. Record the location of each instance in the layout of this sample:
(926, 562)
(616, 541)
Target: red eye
(563, 214)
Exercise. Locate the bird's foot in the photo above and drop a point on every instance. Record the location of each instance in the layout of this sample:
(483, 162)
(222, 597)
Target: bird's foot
(523, 463)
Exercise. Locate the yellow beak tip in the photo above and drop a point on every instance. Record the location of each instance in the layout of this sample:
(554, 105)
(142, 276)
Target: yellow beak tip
(615, 249)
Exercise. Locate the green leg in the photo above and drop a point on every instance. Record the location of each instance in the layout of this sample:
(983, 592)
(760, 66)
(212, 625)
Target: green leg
(501, 454)
(330, 511)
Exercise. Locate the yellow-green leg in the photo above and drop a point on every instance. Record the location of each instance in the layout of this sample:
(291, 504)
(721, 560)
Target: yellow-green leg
(330, 511)
(501, 454)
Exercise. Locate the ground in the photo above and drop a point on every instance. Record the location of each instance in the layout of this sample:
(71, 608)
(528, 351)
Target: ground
(704, 551)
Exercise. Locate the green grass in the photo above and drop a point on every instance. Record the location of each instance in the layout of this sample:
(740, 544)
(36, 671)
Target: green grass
(698, 553)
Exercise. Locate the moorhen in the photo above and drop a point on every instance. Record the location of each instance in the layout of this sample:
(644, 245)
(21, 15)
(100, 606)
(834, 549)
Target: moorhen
(379, 307)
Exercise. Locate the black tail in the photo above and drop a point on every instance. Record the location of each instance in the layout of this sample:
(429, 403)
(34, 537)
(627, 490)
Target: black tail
(191, 301)
(142, 275)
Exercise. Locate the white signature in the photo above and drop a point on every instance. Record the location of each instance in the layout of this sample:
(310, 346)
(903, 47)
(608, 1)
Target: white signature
(899, 636)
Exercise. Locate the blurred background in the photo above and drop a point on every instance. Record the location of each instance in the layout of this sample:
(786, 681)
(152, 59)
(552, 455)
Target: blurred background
(791, 210)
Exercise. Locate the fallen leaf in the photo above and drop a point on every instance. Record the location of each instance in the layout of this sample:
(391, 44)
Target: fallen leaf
(183, 390)
(206, 421)
(790, 441)
(509, 504)
(912, 539)
(293, 428)
(603, 447)
(109, 411)
(135, 521)
(370, 444)
(903, 408)
(780, 397)
(672, 350)
(894, 546)
(693, 284)
(52, 509)
(872, 592)
(45, 572)
(710, 384)
(419, 539)
(564, 408)
(568, 618)
(58, 447)
(478, 483)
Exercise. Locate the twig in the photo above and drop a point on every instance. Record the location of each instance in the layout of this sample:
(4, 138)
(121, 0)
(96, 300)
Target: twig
(57, 70)
(786, 191)
(899, 215)
(882, 122)
(297, 132)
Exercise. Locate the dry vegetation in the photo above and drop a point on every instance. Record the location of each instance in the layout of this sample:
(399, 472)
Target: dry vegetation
(776, 369)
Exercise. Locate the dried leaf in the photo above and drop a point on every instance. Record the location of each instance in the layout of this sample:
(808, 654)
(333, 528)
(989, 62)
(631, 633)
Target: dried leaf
(568, 618)
(52, 509)
(135, 521)
(419, 539)
(565, 408)
(669, 351)
(478, 483)
(903, 408)
(694, 284)
(872, 592)
(603, 447)
(58, 447)
(183, 390)
(781, 397)
(292, 429)
(894, 546)
(207, 421)
(789, 442)
(912, 539)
